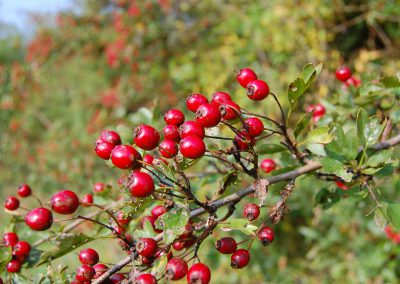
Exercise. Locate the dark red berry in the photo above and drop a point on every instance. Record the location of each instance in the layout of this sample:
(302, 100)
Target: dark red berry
(39, 219)
(24, 190)
(243, 141)
(221, 97)
(268, 165)
(99, 187)
(257, 90)
(121, 219)
(342, 185)
(343, 73)
(168, 148)
(194, 101)
(174, 117)
(146, 247)
(146, 137)
(266, 235)
(103, 149)
(199, 273)
(14, 266)
(142, 184)
(125, 157)
(110, 136)
(85, 273)
(64, 202)
(178, 245)
(229, 110)
(148, 159)
(240, 258)
(254, 126)
(208, 115)
(158, 210)
(192, 147)
(176, 269)
(171, 132)
(88, 256)
(226, 245)
(11, 203)
(87, 200)
(21, 249)
(10, 239)
(146, 278)
(245, 76)
(99, 269)
(116, 278)
(191, 128)
(251, 211)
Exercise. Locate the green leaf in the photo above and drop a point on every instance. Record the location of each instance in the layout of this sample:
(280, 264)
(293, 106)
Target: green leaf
(393, 212)
(265, 148)
(368, 129)
(229, 179)
(380, 216)
(326, 198)
(344, 147)
(242, 225)
(173, 223)
(5, 257)
(391, 81)
(319, 136)
(380, 158)
(146, 232)
(138, 206)
(335, 167)
(303, 122)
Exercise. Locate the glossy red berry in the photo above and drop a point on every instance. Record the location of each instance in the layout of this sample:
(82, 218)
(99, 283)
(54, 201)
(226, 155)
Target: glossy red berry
(24, 190)
(99, 187)
(10, 239)
(158, 210)
(343, 73)
(342, 185)
(21, 249)
(146, 278)
(14, 266)
(125, 157)
(85, 273)
(229, 110)
(192, 147)
(268, 165)
(121, 219)
(251, 211)
(226, 245)
(176, 269)
(110, 136)
(178, 245)
(116, 278)
(171, 132)
(254, 126)
(168, 148)
(148, 159)
(240, 258)
(11, 203)
(99, 269)
(64, 202)
(146, 247)
(142, 184)
(174, 117)
(319, 110)
(39, 219)
(87, 200)
(88, 256)
(194, 101)
(257, 90)
(146, 137)
(103, 149)
(221, 97)
(191, 128)
(243, 141)
(245, 76)
(208, 115)
(199, 273)
(266, 235)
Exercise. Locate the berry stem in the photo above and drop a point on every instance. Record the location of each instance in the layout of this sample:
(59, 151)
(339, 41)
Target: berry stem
(218, 137)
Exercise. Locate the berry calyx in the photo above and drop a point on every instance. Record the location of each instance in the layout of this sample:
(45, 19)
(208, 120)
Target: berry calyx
(226, 245)
(64, 202)
(142, 184)
(245, 76)
(158, 211)
(208, 115)
(88, 256)
(146, 278)
(343, 73)
(221, 97)
(240, 258)
(11, 203)
(24, 190)
(268, 165)
(146, 137)
(85, 273)
(191, 128)
(103, 149)
(21, 249)
(125, 157)
(257, 90)
(266, 235)
(229, 110)
(251, 211)
(14, 266)
(39, 219)
(168, 148)
(176, 269)
(146, 247)
(192, 147)
(174, 117)
(171, 132)
(194, 101)
(254, 126)
(110, 136)
(87, 200)
(199, 273)
(10, 239)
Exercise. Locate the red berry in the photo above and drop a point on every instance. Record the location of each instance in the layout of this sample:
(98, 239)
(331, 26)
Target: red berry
(85, 273)
(226, 245)
(208, 115)
(11, 203)
(121, 219)
(254, 126)
(319, 110)
(171, 132)
(191, 128)
(343, 73)
(168, 148)
(251, 211)
(176, 269)
(240, 258)
(10, 239)
(146, 247)
(88, 256)
(146, 137)
(125, 157)
(266, 235)
(100, 269)
(110, 136)
(268, 165)
(14, 266)
(257, 90)
(87, 200)
(21, 249)
(64, 202)
(199, 273)
(245, 76)
(221, 97)
(146, 278)
(158, 211)
(99, 187)
(229, 110)
(148, 159)
(174, 117)
(243, 141)
(178, 245)
(39, 219)
(194, 101)
(116, 278)
(192, 147)
(342, 185)
(104, 149)
(352, 81)
(24, 190)
(142, 184)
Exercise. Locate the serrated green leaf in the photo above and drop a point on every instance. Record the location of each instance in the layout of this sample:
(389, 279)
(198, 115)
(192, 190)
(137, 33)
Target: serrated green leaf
(147, 231)
(296, 90)
(173, 223)
(368, 129)
(265, 148)
(303, 122)
(319, 135)
(335, 167)
(5, 257)
(242, 225)
(380, 158)
(344, 147)
(393, 212)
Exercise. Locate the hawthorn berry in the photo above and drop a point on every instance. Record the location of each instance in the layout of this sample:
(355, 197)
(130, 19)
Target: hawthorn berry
(226, 245)
(142, 184)
(245, 76)
(353, 81)
(24, 190)
(208, 115)
(146, 278)
(174, 117)
(342, 185)
(251, 211)
(64, 202)
(229, 110)
(121, 219)
(243, 140)
(268, 165)
(86, 200)
(178, 245)
(254, 126)
(110, 136)
(88, 256)
(85, 273)
(148, 159)
(257, 90)
(10, 239)
(317, 110)
(21, 248)
(125, 157)
(11, 203)
(194, 101)
(176, 269)
(240, 258)
(171, 132)
(116, 278)
(146, 137)
(99, 269)
(192, 147)
(39, 219)
(14, 266)
(199, 273)
(343, 73)
(168, 148)
(191, 128)
(103, 149)
(146, 247)
(266, 235)
(221, 97)
(158, 210)
(99, 187)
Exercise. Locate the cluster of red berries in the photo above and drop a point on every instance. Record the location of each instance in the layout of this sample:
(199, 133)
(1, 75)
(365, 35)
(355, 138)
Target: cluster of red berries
(20, 251)
(12, 203)
(391, 234)
(344, 75)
